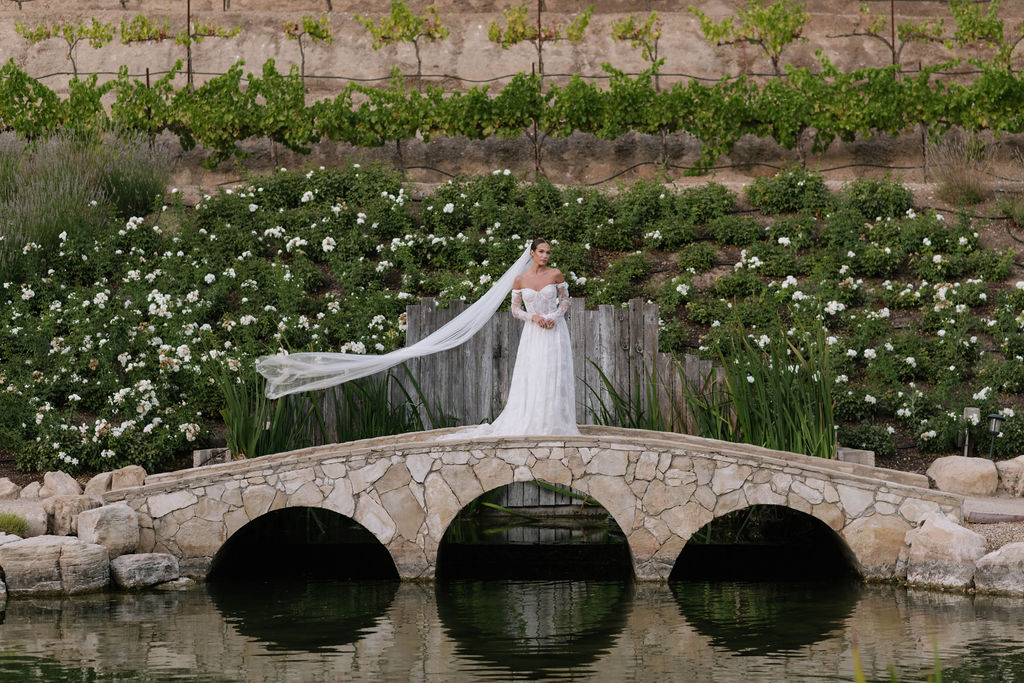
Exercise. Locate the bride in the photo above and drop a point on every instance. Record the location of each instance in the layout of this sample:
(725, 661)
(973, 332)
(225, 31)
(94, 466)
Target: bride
(542, 397)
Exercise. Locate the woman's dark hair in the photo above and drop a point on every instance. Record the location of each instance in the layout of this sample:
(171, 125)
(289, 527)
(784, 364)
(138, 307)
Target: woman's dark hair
(537, 242)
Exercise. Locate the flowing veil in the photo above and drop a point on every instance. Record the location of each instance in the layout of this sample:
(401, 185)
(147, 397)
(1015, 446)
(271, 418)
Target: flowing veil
(306, 371)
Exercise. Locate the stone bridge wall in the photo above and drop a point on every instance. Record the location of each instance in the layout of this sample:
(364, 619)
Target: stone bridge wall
(406, 490)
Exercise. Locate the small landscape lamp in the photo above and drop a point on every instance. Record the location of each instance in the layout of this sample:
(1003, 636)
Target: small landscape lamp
(995, 420)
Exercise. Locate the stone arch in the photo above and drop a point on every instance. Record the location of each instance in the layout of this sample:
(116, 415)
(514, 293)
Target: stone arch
(499, 473)
(833, 534)
(277, 515)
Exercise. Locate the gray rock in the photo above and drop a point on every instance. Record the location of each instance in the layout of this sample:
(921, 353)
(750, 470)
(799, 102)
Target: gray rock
(99, 484)
(62, 512)
(115, 527)
(59, 484)
(127, 477)
(180, 584)
(31, 510)
(54, 564)
(942, 553)
(8, 489)
(141, 571)
(84, 568)
(8, 538)
(3, 594)
(31, 491)
(969, 476)
(1001, 571)
(1011, 476)
(877, 541)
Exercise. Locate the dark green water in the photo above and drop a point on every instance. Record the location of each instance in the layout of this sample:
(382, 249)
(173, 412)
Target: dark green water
(514, 630)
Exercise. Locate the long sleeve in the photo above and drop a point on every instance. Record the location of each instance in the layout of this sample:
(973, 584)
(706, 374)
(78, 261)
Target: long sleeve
(517, 306)
(563, 301)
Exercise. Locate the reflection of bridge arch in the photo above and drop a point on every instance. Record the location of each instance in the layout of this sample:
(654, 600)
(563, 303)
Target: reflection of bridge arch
(406, 490)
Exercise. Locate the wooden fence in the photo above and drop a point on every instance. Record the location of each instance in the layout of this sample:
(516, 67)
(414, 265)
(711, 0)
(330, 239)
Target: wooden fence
(471, 382)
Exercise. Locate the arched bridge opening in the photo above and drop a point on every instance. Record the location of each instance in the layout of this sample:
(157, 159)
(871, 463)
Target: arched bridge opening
(764, 543)
(534, 530)
(306, 543)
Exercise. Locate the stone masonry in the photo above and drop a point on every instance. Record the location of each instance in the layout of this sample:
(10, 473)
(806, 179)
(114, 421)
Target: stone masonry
(406, 490)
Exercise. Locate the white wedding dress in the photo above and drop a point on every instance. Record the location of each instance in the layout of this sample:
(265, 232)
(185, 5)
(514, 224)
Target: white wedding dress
(542, 394)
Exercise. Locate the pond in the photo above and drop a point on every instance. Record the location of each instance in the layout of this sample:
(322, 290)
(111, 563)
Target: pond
(502, 629)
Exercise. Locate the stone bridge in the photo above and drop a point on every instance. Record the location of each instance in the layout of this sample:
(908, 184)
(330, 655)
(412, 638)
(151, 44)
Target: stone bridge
(660, 488)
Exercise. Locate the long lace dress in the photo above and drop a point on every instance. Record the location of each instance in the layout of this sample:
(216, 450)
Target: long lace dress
(542, 394)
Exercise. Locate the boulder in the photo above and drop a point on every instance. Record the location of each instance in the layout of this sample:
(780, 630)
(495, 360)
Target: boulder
(1011, 476)
(54, 564)
(32, 511)
(143, 570)
(62, 512)
(181, 584)
(59, 484)
(1001, 571)
(127, 477)
(8, 489)
(3, 595)
(115, 527)
(31, 490)
(969, 476)
(876, 542)
(942, 553)
(98, 485)
(8, 538)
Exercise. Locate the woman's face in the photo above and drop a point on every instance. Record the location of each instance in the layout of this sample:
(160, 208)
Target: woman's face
(542, 253)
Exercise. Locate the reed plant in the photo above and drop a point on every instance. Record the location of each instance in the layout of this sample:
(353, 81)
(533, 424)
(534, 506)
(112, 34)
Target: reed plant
(776, 392)
(638, 407)
(256, 425)
(361, 409)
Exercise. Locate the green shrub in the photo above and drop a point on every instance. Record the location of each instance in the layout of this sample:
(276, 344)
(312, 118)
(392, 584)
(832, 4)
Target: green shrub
(701, 204)
(870, 438)
(742, 282)
(671, 233)
(738, 230)
(700, 256)
(795, 190)
(620, 281)
(877, 197)
(13, 524)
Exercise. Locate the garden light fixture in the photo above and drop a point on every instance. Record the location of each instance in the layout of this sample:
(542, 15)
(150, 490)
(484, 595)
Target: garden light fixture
(994, 422)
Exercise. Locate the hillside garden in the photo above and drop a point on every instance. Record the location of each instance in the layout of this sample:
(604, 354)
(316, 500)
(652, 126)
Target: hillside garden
(127, 326)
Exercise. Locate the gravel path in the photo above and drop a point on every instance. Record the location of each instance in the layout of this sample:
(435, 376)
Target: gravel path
(999, 534)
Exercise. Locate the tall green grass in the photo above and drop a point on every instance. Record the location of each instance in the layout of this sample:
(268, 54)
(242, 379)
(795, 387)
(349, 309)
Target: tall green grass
(775, 392)
(361, 409)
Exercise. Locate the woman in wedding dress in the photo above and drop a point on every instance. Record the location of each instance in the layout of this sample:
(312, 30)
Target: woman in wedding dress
(542, 394)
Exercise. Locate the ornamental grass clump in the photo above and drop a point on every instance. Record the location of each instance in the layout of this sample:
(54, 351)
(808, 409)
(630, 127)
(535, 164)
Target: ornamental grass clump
(13, 524)
(962, 165)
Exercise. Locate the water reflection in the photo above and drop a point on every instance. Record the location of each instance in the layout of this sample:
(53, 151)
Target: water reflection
(536, 629)
(501, 630)
(309, 616)
(766, 618)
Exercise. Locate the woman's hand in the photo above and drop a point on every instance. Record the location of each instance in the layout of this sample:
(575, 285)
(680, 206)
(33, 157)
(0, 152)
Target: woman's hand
(540, 320)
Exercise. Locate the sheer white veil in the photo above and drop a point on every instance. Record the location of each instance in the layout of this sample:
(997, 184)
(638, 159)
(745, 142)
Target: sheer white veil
(291, 373)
